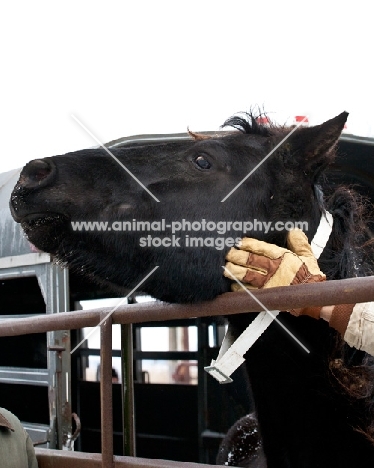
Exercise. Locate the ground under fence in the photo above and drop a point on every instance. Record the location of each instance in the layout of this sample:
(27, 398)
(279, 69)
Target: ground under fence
(283, 298)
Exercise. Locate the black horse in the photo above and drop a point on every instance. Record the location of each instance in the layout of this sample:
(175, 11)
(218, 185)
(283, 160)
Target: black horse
(314, 410)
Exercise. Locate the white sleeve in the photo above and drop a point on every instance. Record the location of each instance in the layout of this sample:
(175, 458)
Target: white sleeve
(360, 330)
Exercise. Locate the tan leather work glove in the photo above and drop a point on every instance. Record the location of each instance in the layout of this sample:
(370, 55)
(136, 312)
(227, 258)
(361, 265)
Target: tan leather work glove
(264, 265)
(258, 264)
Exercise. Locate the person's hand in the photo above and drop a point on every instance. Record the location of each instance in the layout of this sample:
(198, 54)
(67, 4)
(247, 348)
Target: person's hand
(258, 264)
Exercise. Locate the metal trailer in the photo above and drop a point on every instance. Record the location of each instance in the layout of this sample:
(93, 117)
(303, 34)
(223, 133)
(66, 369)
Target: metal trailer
(52, 382)
(18, 261)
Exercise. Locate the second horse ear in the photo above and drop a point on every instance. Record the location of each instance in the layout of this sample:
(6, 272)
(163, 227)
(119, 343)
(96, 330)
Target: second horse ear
(314, 146)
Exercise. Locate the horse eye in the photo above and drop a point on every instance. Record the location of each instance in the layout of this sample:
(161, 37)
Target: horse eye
(202, 162)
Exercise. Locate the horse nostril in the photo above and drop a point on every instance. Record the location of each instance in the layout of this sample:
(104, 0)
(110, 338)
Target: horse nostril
(36, 173)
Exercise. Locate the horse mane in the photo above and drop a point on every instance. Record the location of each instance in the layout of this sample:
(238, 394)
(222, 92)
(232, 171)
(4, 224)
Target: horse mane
(249, 123)
(350, 253)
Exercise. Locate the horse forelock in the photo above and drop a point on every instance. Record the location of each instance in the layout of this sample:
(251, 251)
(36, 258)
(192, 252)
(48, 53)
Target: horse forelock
(249, 123)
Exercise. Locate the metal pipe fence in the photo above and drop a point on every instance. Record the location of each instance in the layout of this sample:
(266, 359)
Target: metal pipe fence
(283, 298)
(345, 291)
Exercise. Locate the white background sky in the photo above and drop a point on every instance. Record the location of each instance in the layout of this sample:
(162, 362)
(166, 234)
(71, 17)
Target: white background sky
(134, 67)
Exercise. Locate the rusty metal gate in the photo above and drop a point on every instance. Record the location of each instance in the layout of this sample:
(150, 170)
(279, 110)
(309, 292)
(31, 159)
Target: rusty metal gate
(327, 293)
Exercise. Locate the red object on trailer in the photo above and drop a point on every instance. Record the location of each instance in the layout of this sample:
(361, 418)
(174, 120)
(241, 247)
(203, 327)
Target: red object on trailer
(263, 120)
(301, 118)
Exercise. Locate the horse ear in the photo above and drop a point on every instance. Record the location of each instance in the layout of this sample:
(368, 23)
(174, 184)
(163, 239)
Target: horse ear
(316, 144)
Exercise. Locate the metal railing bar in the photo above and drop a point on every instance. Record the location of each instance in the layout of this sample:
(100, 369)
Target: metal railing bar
(163, 355)
(96, 352)
(106, 397)
(166, 355)
(345, 291)
(48, 458)
(128, 398)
